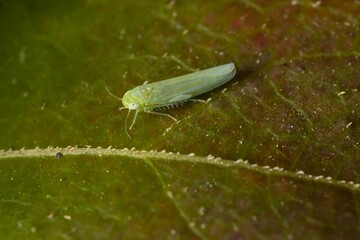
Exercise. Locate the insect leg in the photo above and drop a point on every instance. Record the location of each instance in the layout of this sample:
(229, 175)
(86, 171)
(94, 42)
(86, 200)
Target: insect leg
(126, 123)
(196, 100)
(162, 114)
(134, 120)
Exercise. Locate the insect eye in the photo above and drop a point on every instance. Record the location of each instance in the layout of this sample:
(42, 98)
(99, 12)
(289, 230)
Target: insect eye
(133, 105)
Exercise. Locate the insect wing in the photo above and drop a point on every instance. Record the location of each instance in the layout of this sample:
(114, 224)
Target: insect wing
(187, 86)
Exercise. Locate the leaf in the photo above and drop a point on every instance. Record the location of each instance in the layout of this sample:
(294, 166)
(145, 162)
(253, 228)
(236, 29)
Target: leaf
(109, 193)
(287, 126)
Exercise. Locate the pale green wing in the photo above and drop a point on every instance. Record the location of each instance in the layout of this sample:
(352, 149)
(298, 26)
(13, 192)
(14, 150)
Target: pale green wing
(184, 87)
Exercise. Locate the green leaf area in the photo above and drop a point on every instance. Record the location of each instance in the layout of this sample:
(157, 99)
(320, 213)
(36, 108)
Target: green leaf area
(272, 154)
(126, 194)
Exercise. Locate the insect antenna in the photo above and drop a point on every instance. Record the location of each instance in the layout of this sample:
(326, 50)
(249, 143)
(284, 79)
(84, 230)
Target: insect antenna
(111, 94)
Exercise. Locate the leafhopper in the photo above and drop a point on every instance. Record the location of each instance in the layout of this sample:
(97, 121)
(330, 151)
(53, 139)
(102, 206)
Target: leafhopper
(174, 91)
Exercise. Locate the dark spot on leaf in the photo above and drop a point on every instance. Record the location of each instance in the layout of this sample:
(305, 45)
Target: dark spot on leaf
(58, 155)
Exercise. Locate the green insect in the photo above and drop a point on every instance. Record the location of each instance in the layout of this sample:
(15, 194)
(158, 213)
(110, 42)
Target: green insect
(173, 91)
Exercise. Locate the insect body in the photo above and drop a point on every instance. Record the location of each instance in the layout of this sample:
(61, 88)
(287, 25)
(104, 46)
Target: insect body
(174, 91)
